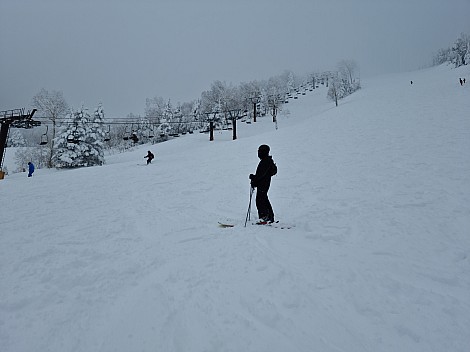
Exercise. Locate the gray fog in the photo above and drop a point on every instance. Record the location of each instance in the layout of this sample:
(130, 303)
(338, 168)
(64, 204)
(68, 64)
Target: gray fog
(120, 52)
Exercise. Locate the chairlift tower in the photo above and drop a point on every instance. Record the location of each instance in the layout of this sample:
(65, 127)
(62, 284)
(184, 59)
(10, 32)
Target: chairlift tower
(234, 116)
(255, 101)
(211, 120)
(16, 118)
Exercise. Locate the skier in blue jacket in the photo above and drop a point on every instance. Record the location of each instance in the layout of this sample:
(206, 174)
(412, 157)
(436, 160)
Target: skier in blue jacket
(30, 169)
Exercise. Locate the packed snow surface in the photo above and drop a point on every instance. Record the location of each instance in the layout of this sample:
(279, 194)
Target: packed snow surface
(128, 257)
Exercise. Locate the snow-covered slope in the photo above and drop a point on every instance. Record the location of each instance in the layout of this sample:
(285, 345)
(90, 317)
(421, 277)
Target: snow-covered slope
(127, 257)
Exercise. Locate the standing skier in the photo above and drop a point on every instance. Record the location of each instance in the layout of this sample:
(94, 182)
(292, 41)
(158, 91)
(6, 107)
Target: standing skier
(30, 169)
(149, 157)
(262, 180)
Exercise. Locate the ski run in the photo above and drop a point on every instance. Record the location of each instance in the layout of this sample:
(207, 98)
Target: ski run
(126, 258)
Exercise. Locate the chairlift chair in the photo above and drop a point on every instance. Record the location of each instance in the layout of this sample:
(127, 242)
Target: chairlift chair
(133, 135)
(151, 133)
(73, 138)
(127, 133)
(107, 134)
(44, 138)
(70, 138)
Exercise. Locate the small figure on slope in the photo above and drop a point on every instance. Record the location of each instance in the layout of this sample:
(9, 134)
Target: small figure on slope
(30, 169)
(149, 157)
(261, 181)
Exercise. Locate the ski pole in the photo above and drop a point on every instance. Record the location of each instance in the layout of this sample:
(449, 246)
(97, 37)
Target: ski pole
(248, 213)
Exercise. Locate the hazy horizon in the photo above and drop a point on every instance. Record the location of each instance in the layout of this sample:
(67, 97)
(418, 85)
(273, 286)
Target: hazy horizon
(122, 52)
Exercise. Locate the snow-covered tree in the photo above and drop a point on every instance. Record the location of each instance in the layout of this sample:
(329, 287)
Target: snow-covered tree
(212, 99)
(154, 109)
(274, 93)
(348, 69)
(188, 112)
(247, 90)
(39, 156)
(53, 106)
(458, 55)
(95, 138)
(442, 56)
(81, 142)
(334, 90)
(461, 50)
(16, 139)
(343, 82)
(290, 81)
(165, 120)
(145, 129)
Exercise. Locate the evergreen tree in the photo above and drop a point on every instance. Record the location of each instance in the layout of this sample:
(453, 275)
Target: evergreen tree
(164, 129)
(81, 143)
(461, 50)
(459, 54)
(95, 135)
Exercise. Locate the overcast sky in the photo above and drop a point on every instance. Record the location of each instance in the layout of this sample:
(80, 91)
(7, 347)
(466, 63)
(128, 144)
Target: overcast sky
(120, 52)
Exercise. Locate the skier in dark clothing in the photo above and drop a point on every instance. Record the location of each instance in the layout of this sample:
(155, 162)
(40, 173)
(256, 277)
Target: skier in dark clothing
(30, 169)
(149, 157)
(262, 180)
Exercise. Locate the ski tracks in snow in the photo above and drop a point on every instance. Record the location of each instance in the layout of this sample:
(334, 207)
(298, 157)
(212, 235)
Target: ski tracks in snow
(245, 280)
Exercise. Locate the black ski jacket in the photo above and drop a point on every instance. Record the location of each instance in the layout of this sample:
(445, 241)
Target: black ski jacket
(262, 178)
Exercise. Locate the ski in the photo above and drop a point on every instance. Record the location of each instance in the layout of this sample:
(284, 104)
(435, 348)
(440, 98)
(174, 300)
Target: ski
(274, 224)
(225, 225)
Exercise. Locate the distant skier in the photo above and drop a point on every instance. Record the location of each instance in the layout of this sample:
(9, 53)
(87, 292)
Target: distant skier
(30, 169)
(149, 157)
(461, 82)
(262, 180)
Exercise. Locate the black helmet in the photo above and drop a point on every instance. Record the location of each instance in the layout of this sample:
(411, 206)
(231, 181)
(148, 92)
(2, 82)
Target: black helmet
(263, 150)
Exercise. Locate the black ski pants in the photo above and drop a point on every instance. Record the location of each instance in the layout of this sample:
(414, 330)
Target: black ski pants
(265, 210)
